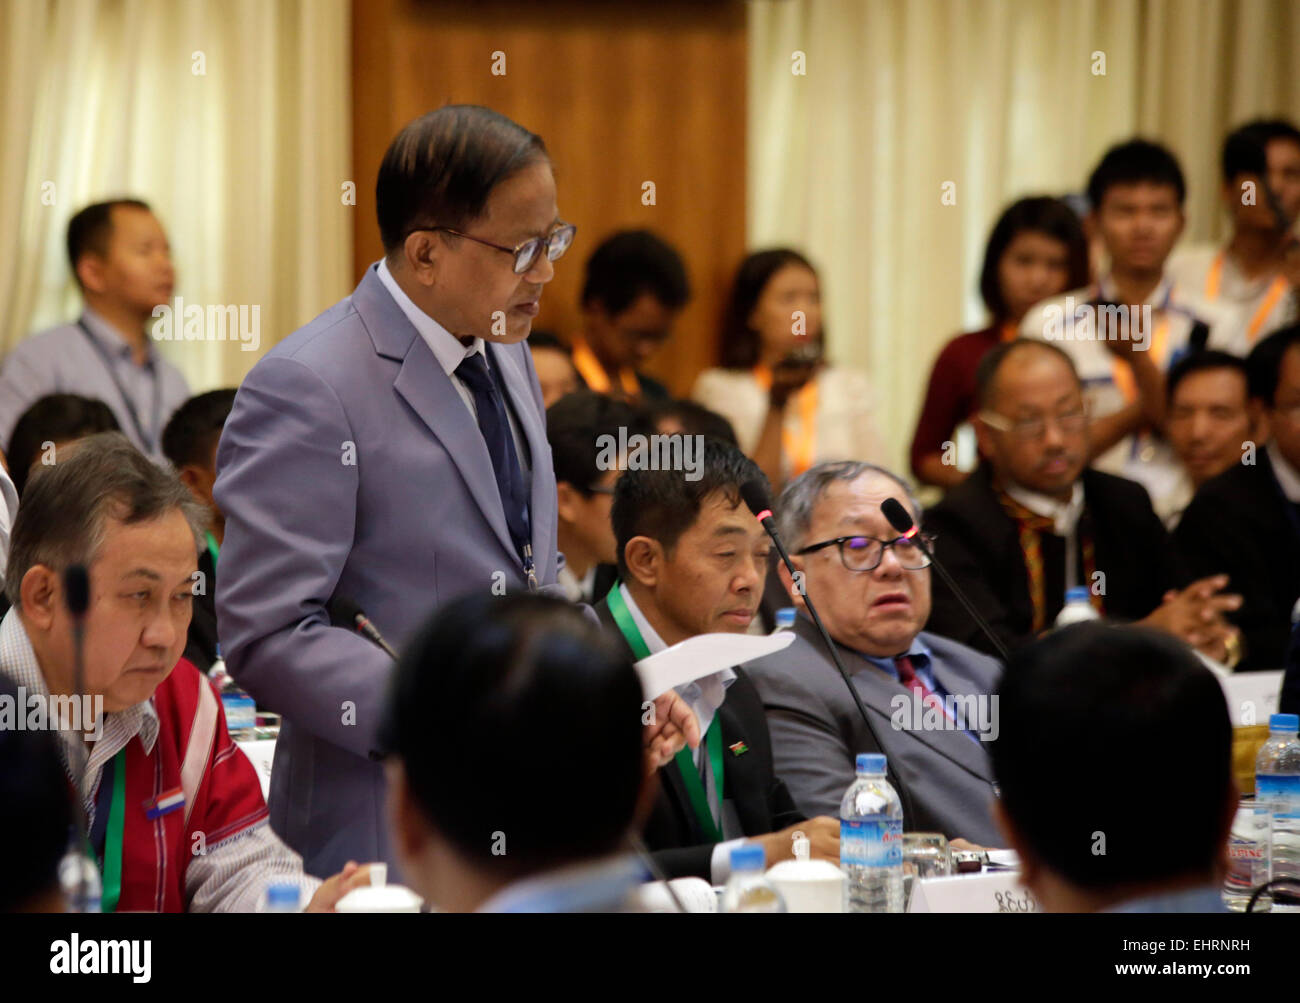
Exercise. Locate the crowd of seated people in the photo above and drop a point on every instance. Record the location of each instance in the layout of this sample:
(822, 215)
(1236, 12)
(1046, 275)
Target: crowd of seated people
(1150, 461)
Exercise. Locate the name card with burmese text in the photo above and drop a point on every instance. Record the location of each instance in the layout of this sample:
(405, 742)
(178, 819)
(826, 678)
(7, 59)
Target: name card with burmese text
(996, 891)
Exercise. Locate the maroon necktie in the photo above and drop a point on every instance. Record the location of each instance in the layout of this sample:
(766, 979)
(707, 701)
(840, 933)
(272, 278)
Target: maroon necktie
(908, 677)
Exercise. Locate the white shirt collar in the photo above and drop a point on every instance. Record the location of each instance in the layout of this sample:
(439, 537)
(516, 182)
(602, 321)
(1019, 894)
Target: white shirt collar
(449, 350)
(1064, 514)
(1288, 478)
(1160, 297)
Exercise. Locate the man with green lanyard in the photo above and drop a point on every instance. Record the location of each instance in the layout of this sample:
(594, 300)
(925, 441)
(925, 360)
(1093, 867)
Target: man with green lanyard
(692, 560)
(190, 444)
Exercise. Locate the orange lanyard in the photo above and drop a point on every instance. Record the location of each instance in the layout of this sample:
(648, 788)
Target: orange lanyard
(1275, 292)
(1122, 372)
(594, 375)
(798, 448)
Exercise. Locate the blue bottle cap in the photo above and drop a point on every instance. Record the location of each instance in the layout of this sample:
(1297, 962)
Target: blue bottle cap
(871, 762)
(785, 617)
(748, 857)
(1284, 722)
(283, 894)
(1077, 593)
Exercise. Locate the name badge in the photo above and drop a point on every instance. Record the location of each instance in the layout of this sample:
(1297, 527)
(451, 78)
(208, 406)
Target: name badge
(998, 891)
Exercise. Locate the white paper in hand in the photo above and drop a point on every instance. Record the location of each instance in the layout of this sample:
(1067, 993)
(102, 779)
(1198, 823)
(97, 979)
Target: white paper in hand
(703, 655)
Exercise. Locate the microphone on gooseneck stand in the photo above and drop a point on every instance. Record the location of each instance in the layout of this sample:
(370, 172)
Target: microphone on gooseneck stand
(755, 496)
(76, 596)
(344, 612)
(899, 518)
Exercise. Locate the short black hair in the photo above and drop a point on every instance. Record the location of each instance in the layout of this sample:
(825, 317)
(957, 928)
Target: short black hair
(1039, 214)
(1199, 362)
(986, 372)
(1132, 162)
(194, 428)
(548, 339)
(1264, 363)
(54, 418)
(1245, 150)
(629, 263)
(695, 419)
(90, 230)
(574, 425)
(475, 696)
(441, 169)
(740, 342)
(1078, 712)
(663, 504)
(37, 810)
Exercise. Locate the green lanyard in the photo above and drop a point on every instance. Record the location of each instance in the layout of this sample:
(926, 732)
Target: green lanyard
(685, 761)
(113, 838)
(213, 549)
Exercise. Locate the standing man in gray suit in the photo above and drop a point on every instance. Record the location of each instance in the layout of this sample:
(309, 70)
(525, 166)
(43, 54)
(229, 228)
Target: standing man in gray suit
(929, 698)
(394, 452)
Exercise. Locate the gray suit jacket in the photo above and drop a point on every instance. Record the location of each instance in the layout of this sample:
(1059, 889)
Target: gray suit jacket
(817, 733)
(351, 466)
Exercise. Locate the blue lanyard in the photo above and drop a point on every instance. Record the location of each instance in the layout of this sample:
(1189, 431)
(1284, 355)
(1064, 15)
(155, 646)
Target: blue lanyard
(147, 440)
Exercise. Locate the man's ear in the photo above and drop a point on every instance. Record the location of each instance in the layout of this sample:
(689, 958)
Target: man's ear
(422, 255)
(1260, 427)
(40, 593)
(787, 581)
(644, 559)
(567, 502)
(409, 834)
(983, 436)
(1030, 868)
(90, 272)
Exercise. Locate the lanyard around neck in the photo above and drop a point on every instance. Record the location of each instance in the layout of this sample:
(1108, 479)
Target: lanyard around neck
(685, 761)
(146, 440)
(113, 838)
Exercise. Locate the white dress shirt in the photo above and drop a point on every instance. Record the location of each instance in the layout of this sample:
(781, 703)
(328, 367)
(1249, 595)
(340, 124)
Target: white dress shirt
(704, 696)
(1065, 515)
(450, 352)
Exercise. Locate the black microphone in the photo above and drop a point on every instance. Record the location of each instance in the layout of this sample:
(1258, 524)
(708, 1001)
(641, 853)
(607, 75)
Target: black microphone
(76, 596)
(755, 496)
(898, 517)
(344, 612)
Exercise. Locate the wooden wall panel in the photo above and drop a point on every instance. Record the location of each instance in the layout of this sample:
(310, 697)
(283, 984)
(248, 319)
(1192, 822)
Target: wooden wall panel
(622, 93)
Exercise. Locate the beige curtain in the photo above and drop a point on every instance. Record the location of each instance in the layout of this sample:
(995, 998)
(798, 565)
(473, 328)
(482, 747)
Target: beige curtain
(231, 117)
(999, 97)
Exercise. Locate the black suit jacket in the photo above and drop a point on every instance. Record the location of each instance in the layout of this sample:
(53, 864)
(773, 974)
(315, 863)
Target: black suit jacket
(1237, 523)
(762, 802)
(979, 544)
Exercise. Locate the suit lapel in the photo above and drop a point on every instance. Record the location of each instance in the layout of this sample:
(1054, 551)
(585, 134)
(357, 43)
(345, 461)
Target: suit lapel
(422, 383)
(878, 689)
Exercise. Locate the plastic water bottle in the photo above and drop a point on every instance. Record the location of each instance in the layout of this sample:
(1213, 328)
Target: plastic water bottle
(80, 882)
(281, 896)
(1077, 608)
(784, 618)
(1277, 780)
(239, 707)
(748, 889)
(871, 840)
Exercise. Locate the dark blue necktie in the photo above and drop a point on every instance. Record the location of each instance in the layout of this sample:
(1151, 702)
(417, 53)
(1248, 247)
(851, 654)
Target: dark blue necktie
(490, 404)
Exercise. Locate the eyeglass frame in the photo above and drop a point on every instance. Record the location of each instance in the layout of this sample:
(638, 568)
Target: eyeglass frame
(542, 242)
(1004, 424)
(839, 541)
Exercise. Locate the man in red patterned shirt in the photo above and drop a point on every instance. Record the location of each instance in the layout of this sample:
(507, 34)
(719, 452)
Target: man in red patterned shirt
(174, 810)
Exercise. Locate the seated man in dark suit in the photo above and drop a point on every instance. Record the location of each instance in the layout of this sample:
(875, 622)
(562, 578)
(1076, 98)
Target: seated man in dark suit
(1080, 710)
(1246, 521)
(692, 557)
(872, 590)
(1033, 520)
(189, 442)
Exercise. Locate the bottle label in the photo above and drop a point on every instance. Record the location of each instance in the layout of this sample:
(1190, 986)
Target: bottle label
(1283, 789)
(875, 841)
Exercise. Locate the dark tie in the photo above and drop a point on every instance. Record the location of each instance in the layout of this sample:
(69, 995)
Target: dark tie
(495, 426)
